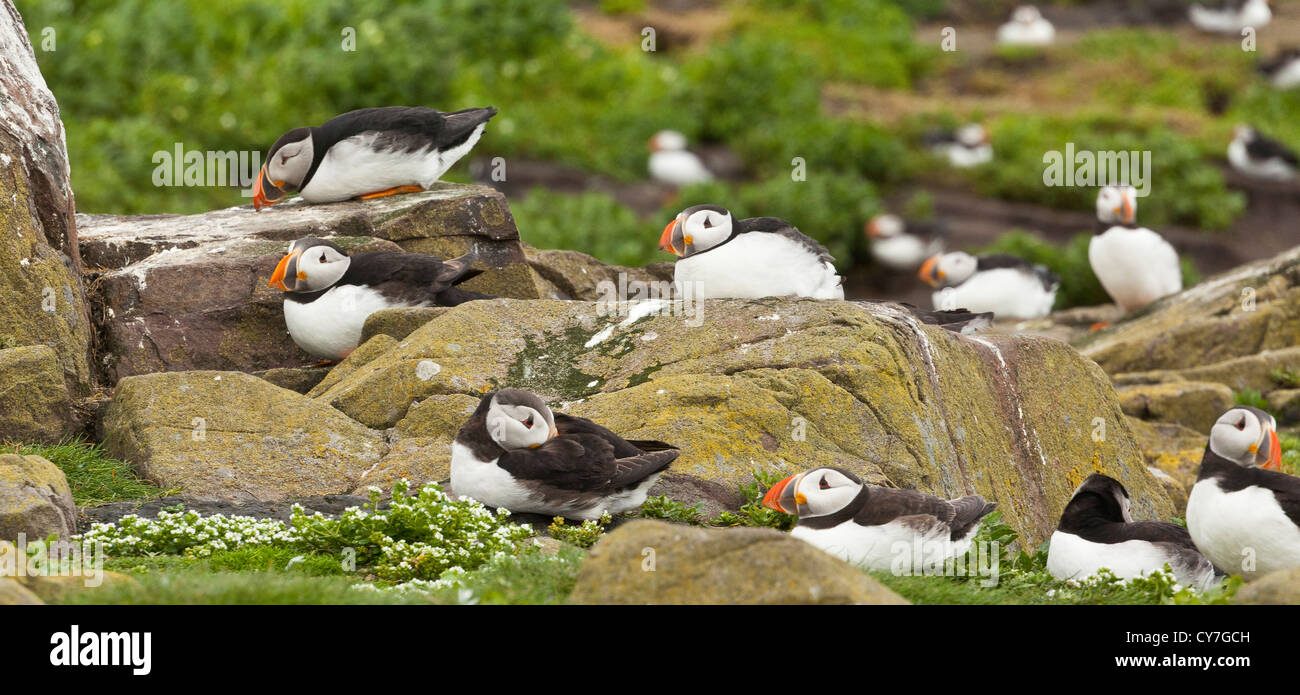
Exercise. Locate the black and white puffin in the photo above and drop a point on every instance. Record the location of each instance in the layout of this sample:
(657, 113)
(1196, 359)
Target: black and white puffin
(515, 453)
(1283, 70)
(673, 164)
(1135, 265)
(1028, 27)
(368, 153)
(1006, 285)
(1244, 512)
(1261, 157)
(876, 528)
(719, 257)
(1230, 16)
(904, 246)
(1097, 530)
(968, 146)
(328, 294)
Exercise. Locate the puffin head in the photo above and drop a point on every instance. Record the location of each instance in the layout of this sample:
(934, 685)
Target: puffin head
(1117, 204)
(817, 492)
(972, 135)
(1099, 497)
(286, 165)
(948, 269)
(518, 419)
(311, 264)
(1026, 14)
(696, 229)
(667, 140)
(884, 226)
(1247, 436)
(1243, 132)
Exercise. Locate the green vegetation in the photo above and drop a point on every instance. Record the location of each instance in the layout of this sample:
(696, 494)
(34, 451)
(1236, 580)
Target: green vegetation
(1286, 377)
(1252, 398)
(583, 535)
(94, 476)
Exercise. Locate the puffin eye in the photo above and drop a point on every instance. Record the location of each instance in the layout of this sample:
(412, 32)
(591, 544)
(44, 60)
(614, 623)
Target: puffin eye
(823, 485)
(529, 422)
(708, 222)
(1241, 424)
(322, 257)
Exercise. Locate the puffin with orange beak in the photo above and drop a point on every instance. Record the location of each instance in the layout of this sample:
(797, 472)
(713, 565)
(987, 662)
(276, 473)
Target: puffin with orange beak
(368, 153)
(515, 453)
(328, 294)
(1244, 512)
(877, 528)
(1135, 265)
(903, 246)
(1008, 286)
(719, 257)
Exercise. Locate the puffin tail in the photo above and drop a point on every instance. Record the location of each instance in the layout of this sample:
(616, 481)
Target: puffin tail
(457, 270)
(969, 511)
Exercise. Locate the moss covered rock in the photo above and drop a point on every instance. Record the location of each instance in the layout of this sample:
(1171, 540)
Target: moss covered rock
(232, 436)
(34, 402)
(652, 562)
(576, 275)
(1193, 404)
(1173, 454)
(35, 499)
(1280, 588)
(421, 443)
(398, 323)
(14, 594)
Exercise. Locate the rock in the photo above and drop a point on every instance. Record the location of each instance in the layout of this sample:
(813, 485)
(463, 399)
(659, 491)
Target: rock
(111, 512)
(365, 352)
(52, 588)
(1193, 404)
(35, 499)
(41, 297)
(1173, 454)
(1238, 374)
(34, 401)
(14, 594)
(298, 379)
(1285, 404)
(399, 323)
(421, 443)
(153, 321)
(688, 565)
(576, 275)
(232, 436)
(783, 385)
(1279, 588)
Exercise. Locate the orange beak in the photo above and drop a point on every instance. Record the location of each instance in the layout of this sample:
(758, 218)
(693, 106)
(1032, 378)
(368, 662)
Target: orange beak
(930, 272)
(873, 230)
(1129, 216)
(666, 240)
(277, 278)
(782, 496)
(259, 191)
(1274, 453)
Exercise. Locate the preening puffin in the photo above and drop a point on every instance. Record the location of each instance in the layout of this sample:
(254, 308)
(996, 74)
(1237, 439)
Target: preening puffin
(368, 153)
(719, 257)
(1230, 16)
(1243, 512)
(514, 452)
(328, 294)
(1028, 27)
(1010, 287)
(904, 246)
(877, 528)
(1135, 265)
(1097, 530)
(671, 163)
(1262, 157)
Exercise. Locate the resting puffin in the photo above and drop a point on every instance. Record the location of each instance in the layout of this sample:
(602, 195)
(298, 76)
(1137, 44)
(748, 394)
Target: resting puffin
(1230, 16)
(1244, 518)
(673, 164)
(904, 246)
(1027, 27)
(1135, 265)
(876, 528)
(1097, 530)
(1261, 157)
(968, 146)
(515, 453)
(1283, 71)
(1008, 286)
(328, 294)
(368, 153)
(719, 257)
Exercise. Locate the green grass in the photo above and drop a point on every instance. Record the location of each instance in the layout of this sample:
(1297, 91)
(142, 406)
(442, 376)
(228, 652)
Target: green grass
(197, 587)
(1286, 377)
(94, 476)
(1252, 398)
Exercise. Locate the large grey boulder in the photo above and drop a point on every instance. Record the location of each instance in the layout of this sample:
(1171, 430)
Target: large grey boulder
(35, 499)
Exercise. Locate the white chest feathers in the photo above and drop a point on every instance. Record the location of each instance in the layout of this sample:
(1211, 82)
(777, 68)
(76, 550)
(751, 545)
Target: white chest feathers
(1072, 557)
(755, 265)
(330, 326)
(1135, 266)
(1244, 532)
(353, 167)
(1009, 293)
(678, 167)
(896, 547)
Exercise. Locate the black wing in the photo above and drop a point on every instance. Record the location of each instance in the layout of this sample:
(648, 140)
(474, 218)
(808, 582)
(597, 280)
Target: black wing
(955, 320)
(1264, 148)
(411, 277)
(568, 424)
(1279, 61)
(1152, 531)
(969, 510)
(884, 505)
(407, 128)
(776, 225)
(583, 462)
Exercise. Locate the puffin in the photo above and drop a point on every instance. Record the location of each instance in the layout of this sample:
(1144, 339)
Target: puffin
(368, 153)
(1243, 511)
(1027, 27)
(904, 246)
(966, 147)
(1097, 530)
(1283, 70)
(515, 453)
(328, 294)
(1135, 265)
(1261, 157)
(721, 257)
(1008, 286)
(1230, 16)
(876, 528)
(671, 163)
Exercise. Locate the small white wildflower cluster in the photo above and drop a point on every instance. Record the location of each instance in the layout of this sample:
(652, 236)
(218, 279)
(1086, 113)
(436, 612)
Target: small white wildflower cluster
(1160, 583)
(417, 537)
(187, 533)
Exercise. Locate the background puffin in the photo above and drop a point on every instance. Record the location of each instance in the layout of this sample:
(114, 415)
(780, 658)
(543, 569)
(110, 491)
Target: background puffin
(671, 163)
(1135, 265)
(1027, 27)
(1006, 285)
(1283, 70)
(368, 153)
(863, 524)
(1244, 518)
(1261, 157)
(904, 246)
(966, 147)
(1097, 530)
(719, 257)
(513, 452)
(1230, 16)
(328, 294)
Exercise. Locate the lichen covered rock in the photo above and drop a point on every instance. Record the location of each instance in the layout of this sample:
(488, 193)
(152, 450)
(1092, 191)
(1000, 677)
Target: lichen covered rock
(34, 402)
(1193, 404)
(35, 499)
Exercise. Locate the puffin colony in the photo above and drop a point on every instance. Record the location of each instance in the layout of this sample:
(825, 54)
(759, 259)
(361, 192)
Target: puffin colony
(516, 452)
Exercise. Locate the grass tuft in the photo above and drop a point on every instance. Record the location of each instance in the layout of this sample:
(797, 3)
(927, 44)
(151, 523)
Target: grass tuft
(94, 476)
